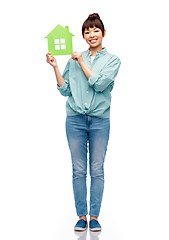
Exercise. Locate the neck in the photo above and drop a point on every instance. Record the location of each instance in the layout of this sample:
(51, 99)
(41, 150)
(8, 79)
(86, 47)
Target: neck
(95, 50)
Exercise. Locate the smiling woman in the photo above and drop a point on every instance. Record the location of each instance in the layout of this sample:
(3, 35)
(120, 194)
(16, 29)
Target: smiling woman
(87, 81)
(94, 37)
(93, 32)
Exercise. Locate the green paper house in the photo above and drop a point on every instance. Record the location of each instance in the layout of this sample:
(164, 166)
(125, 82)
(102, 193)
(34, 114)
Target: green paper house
(60, 41)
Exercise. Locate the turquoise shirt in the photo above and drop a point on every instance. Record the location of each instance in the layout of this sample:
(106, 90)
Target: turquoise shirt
(90, 96)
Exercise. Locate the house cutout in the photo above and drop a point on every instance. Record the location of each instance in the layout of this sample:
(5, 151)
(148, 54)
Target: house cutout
(60, 41)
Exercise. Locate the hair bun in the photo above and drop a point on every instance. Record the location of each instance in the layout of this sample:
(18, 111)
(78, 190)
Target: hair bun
(94, 15)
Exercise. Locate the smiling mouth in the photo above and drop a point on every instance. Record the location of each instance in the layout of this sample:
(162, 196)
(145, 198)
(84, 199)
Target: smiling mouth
(93, 41)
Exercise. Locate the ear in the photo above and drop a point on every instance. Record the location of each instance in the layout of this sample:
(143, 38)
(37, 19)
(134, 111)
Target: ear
(104, 33)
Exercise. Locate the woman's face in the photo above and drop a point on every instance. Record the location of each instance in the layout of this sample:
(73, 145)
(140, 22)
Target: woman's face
(93, 37)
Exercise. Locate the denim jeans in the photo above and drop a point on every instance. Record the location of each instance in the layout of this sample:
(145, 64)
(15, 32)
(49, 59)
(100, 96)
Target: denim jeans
(85, 132)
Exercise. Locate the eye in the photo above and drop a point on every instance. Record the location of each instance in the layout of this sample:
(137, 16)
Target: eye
(86, 32)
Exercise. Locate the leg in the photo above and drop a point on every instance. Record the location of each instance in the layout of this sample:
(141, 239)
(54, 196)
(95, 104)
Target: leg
(98, 141)
(77, 140)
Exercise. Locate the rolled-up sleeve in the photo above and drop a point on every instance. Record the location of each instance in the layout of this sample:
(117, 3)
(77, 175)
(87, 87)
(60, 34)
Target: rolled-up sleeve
(101, 80)
(65, 88)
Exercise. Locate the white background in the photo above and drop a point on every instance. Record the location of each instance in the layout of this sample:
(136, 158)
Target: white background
(36, 199)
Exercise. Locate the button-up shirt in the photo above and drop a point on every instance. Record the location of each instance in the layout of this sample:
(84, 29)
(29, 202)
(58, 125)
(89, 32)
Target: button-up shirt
(90, 96)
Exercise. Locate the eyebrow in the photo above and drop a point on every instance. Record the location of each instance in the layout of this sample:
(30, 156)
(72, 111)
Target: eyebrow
(91, 28)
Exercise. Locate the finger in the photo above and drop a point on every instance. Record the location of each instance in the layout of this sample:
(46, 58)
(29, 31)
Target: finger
(50, 58)
(73, 56)
(49, 53)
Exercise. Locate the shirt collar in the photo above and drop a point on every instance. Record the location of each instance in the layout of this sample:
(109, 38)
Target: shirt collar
(99, 53)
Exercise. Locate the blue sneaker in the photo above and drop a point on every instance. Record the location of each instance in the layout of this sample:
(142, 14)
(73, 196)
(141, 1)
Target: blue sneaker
(81, 225)
(94, 226)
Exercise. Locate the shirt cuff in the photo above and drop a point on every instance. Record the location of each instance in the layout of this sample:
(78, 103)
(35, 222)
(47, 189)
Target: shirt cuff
(93, 78)
(63, 87)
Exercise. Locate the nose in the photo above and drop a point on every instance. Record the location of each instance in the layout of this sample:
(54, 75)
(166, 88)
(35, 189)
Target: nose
(92, 34)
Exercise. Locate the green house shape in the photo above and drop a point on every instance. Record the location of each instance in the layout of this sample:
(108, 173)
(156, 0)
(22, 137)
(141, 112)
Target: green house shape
(60, 41)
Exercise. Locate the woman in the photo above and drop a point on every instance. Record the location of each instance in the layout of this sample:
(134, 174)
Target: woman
(88, 80)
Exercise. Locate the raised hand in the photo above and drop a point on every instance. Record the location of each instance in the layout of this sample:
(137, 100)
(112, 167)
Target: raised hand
(77, 56)
(51, 60)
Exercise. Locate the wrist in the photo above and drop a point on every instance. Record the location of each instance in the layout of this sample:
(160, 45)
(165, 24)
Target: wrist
(81, 62)
(55, 68)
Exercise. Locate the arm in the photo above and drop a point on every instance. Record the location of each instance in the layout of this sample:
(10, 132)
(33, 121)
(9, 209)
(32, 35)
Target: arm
(105, 77)
(102, 79)
(78, 57)
(52, 61)
(63, 82)
(59, 78)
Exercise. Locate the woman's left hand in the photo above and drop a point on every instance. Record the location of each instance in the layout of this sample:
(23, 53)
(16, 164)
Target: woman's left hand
(77, 56)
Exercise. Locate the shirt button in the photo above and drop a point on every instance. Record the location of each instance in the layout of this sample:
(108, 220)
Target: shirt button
(85, 103)
(87, 92)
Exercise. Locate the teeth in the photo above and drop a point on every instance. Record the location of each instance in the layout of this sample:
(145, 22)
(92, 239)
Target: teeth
(93, 41)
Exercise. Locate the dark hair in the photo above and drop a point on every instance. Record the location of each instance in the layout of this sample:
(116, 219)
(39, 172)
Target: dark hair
(93, 20)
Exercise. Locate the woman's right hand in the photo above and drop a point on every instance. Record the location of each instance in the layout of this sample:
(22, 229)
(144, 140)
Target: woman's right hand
(51, 60)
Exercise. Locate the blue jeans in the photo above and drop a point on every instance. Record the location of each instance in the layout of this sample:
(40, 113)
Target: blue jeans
(85, 132)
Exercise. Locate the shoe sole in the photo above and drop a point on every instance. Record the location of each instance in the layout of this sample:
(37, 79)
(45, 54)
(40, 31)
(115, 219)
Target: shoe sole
(79, 229)
(95, 229)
